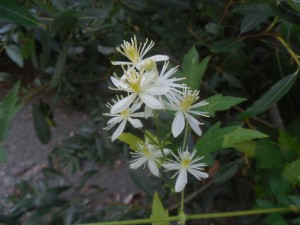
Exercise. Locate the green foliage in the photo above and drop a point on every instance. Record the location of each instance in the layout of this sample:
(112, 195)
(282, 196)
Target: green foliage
(158, 210)
(131, 140)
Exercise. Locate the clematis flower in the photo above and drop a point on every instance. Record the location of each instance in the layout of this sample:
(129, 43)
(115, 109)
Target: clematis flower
(185, 163)
(122, 118)
(184, 107)
(147, 154)
(139, 86)
(135, 53)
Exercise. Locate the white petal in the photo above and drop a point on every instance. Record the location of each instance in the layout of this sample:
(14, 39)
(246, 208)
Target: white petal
(137, 163)
(178, 124)
(122, 104)
(153, 167)
(118, 83)
(118, 131)
(120, 63)
(194, 124)
(159, 58)
(181, 180)
(198, 174)
(136, 123)
(151, 101)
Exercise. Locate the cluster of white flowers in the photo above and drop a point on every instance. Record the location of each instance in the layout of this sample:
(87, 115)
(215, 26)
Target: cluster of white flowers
(147, 87)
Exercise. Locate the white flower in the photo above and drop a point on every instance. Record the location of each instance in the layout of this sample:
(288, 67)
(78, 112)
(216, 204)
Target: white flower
(140, 87)
(147, 154)
(184, 107)
(122, 118)
(135, 53)
(185, 163)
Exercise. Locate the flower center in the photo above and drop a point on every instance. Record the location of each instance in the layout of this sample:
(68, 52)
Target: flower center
(149, 64)
(185, 163)
(147, 153)
(188, 100)
(133, 79)
(125, 114)
(131, 52)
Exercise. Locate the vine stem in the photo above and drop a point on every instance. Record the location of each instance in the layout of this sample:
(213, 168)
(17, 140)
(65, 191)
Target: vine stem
(291, 208)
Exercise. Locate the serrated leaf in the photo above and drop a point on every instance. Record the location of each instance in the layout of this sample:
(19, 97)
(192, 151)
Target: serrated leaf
(17, 13)
(40, 124)
(240, 135)
(158, 211)
(212, 141)
(291, 171)
(219, 103)
(273, 95)
(246, 147)
(193, 70)
(14, 54)
(131, 140)
(226, 45)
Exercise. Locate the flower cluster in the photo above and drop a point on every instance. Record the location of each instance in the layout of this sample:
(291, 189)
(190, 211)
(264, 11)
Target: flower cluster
(147, 87)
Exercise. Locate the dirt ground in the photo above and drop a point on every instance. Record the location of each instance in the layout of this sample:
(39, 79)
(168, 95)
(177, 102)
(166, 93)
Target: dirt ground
(27, 156)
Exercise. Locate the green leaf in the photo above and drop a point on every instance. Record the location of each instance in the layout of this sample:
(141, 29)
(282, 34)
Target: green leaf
(273, 95)
(59, 67)
(17, 13)
(2, 153)
(8, 108)
(227, 45)
(40, 124)
(131, 140)
(65, 21)
(86, 176)
(246, 147)
(291, 171)
(219, 103)
(158, 211)
(212, 141)
(268, 155)
(240, 135)
(193, 70)
(14, 54)
(226, 172)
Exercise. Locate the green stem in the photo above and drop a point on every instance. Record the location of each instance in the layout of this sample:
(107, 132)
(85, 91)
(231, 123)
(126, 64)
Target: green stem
(291, 208)
(185, 136)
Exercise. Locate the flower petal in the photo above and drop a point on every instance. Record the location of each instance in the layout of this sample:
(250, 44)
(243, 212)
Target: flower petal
(198, 174)
(181, 180)
(151, 101)
(194, 124)
(122, 104)
(136, 123)
(118, 131)
(159, 58)
(137, 163)
(153, 167)
(178, 124)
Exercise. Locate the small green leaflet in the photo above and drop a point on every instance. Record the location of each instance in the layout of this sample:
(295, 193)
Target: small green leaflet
(131, 140)
(219, 103)
(291, 171)
(193, 71)
(240, 135)
(158, 211)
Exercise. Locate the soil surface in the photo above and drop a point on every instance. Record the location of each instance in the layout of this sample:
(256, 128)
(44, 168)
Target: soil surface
(27, 156)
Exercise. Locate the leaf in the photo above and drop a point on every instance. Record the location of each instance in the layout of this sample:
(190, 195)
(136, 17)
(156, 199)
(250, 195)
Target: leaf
(17, 13)
(14, 54)
(40, 124)
(219, 103)
(65, 21)
(86, 176)
(131, 140)
(227, 45)
(268, 155)
(193, 70)
(158, 211)
(273, 95)
(212, 141)
(226, 172)
(289, 146)
(240, 135)
(2, 153)
(60, 64)
(246, 147)
(291, 171)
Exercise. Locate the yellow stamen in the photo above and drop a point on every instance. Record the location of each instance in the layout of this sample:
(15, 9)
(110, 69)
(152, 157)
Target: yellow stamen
(188, 100)
(125, 114)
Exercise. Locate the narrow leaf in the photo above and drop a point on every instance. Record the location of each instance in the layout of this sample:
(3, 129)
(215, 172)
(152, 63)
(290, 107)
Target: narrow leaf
(14, 54)
(40, 124)
(17, 13)
(65, 21)
(219, 103)
(273, 95)
(158, 211)
(227, 45)
(241, 135)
